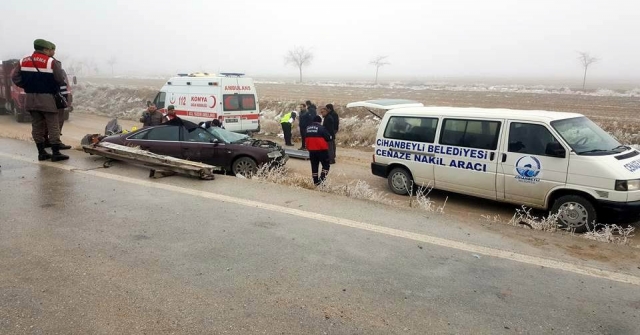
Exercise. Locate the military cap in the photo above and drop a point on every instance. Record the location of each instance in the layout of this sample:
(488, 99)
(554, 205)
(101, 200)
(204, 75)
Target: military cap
(40, 43)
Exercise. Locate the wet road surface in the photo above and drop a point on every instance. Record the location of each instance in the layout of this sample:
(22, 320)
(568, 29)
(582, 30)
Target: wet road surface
(91, 250)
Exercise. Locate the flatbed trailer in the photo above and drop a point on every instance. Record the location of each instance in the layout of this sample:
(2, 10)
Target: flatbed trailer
(156, 163)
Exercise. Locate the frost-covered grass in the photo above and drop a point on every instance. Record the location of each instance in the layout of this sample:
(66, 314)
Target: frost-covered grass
(478, 87)
(355, 189)
(607, 233)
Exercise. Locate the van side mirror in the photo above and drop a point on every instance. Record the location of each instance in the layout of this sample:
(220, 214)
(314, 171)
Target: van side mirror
(555, 149)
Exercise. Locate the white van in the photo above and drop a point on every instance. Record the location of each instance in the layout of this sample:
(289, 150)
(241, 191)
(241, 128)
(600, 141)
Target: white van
(229, 97)
(547, 160)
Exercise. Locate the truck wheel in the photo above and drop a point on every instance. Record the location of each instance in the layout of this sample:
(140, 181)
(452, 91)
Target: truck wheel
(400, 181)
(576, 213)
(244, 166)
(18, 114)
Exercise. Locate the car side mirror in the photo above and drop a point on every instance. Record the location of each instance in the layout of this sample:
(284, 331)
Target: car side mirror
(555, 149)
(214, 141)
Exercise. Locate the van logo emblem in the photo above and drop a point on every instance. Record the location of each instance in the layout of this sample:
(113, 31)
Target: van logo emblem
(528, 169)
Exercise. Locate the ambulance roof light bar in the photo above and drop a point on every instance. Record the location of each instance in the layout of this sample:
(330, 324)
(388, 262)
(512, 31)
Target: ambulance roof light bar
(231, 74)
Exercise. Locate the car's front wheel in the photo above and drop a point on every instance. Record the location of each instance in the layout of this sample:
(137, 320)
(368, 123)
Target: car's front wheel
(245, 166)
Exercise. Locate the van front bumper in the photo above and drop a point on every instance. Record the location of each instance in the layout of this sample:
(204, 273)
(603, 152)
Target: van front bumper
(379, 170)
(623, 211)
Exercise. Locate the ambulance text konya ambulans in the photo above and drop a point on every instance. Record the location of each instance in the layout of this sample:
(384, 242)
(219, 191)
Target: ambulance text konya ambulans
(198, 97)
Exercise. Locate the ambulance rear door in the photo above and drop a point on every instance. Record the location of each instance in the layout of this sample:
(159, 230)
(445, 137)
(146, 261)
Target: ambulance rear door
(240, 104)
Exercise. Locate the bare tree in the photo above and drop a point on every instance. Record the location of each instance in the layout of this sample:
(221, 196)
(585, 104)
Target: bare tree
(586, 60)
(111, 62)
(379, 62)
(299, 57)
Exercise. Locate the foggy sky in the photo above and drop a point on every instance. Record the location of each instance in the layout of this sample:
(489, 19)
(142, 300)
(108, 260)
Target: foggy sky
(427, 39)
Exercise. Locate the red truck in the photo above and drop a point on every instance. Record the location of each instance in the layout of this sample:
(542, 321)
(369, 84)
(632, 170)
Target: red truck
(12, 96)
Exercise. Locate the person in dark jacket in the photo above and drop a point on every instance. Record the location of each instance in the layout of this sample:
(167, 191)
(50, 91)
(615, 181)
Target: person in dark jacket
(311, 108)
(317, 142)
(329, 124)
(336, 120)
(305, 120)
(151, 117)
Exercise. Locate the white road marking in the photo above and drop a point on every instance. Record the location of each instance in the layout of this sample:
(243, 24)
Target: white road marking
(463, 246)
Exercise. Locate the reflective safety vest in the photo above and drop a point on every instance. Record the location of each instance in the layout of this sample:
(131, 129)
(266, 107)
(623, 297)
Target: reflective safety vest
(37, 74)
(285, 118)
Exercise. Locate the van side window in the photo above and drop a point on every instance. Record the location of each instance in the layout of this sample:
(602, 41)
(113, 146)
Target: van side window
(239, 102)
(531, 139)
(417, 129)
(470, 133)
(159, 100)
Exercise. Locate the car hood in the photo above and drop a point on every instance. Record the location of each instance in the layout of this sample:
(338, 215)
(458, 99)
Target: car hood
(265, 144)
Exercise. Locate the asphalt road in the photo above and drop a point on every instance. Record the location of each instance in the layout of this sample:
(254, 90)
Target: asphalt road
(109, 251)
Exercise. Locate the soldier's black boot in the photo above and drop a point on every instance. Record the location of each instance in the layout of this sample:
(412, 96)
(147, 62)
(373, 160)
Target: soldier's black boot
(47, 144)
(57, 156)
(43, 155)
(64, 146)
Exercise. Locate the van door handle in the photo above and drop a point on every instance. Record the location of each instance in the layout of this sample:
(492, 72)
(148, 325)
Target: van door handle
(504, 158)
(492, 156)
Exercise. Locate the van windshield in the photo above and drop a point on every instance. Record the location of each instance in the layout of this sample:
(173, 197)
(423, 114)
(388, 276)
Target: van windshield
(587, 138)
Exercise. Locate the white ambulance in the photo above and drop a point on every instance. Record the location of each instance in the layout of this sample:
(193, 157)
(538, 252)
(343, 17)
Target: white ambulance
(548, 160)
(228, 97)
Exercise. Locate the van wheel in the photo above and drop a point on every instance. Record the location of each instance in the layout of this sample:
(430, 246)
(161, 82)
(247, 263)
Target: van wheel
(576, 213)
(244, 166)
(400, 181)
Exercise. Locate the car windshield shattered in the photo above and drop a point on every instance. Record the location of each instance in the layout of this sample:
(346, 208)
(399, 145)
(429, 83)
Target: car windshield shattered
(227, 136)
(587, 138)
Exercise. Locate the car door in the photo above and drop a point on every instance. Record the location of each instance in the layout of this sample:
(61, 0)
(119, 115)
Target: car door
(199, 145)
(161, 140)
(532, 163)
(468, 156)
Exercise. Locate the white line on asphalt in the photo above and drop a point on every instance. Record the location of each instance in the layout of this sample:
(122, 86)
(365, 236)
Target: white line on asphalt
(463, 246)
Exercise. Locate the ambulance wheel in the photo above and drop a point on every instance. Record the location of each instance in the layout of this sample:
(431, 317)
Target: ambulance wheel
(400, 181)
(244, 166)
(575, 213)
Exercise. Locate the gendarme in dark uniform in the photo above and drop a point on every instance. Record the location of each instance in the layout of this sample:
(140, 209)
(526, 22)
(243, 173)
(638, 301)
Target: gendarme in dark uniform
(41, 77)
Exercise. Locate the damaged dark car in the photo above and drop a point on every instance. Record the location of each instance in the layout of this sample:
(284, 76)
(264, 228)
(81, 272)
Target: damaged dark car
(235, 153)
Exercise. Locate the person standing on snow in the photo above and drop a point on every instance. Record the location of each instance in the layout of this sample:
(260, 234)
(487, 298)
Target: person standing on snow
(329, 124)
(171, 114)
(336, 124)
(41, 77)
(317, 142)
(305, 120)
(285, 122)
(151, 117)
(311, 108)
